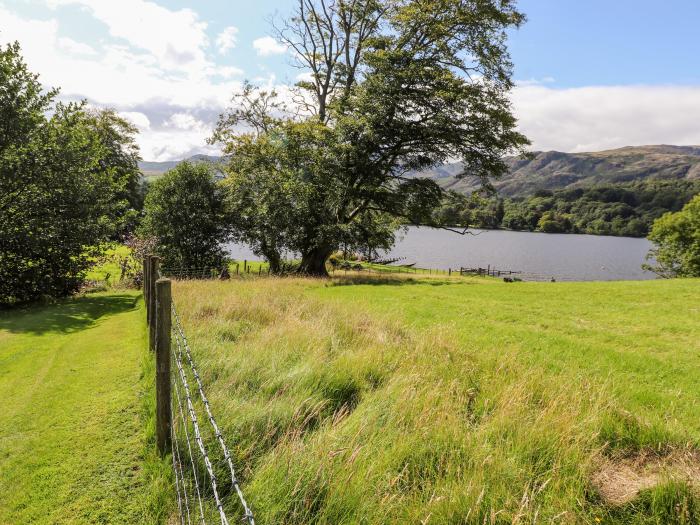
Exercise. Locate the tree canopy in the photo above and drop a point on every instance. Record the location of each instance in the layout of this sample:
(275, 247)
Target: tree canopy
(392, 87)
(677, 242)
(66, 181)
(185, 213)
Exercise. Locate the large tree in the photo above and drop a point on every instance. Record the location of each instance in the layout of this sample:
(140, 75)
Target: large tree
(391, 87)
(64, 184)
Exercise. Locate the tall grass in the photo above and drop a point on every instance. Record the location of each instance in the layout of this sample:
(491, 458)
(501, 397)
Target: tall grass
(435, 401)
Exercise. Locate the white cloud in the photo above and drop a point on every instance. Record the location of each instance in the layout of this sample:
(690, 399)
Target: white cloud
(227, 72)
(177, 39)
(227, 39)
(267, 45)
(598, 118)
(307, 76)
(75, 48)
(137, 118)
(135, 82)
(185, 121)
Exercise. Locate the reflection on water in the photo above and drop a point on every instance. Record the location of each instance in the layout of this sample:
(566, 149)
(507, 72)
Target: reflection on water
(539, 255)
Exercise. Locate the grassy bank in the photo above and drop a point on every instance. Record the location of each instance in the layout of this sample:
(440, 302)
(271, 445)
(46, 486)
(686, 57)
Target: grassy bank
(403, 400)
(75, 430)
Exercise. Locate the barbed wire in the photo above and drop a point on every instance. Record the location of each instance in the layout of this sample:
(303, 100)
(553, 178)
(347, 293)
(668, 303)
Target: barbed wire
(197, 433)
(248, 513)
(189, 449)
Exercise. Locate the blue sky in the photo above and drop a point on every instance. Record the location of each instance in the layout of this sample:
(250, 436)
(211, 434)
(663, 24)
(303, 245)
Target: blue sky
(591, 74)
(614, 42)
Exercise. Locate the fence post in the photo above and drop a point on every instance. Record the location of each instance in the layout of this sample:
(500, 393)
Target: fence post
(146, 286)
(152, 278)
(163, 327)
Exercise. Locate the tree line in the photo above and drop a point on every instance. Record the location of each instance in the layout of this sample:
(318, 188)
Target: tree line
(625, 209)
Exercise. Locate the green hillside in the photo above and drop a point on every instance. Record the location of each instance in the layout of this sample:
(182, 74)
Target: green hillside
(154, 169)
(552, 170)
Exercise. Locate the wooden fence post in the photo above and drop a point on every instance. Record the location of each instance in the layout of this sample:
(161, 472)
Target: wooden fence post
(152, 278)
(163, 327)
(146, 285)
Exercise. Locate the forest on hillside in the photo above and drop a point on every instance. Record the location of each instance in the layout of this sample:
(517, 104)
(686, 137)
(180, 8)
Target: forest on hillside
(626, 209)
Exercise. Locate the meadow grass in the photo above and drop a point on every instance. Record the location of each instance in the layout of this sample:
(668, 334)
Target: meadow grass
(76, 428)
(465, 400)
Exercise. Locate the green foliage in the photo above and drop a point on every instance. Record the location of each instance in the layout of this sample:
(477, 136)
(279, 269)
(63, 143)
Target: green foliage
(185, 213)
(677, 240)
(65, 185)
(617, 209)
(391, 92)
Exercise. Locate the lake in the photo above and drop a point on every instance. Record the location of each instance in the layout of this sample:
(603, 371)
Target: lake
(540, 256)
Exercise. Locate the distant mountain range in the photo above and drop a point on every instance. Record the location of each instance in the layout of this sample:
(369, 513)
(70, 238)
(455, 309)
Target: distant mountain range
(549, 170)
(153, 169)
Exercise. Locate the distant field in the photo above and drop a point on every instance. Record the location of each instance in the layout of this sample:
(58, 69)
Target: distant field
(76, 443)
(435, 401)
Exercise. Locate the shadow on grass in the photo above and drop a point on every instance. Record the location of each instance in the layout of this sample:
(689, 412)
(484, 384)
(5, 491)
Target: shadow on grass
(70, 315)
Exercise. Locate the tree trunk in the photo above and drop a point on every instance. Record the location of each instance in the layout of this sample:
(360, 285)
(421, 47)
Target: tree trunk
(272, 256)
(313, 262)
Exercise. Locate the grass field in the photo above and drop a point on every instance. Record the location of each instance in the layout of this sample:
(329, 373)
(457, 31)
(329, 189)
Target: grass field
(76, 441)
(434, 400)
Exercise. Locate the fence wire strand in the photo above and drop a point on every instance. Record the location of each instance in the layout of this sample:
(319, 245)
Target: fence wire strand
(198, 435)
(248, 514)
(189, 449)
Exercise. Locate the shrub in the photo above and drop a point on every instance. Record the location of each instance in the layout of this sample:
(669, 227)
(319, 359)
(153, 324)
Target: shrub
(185, 213)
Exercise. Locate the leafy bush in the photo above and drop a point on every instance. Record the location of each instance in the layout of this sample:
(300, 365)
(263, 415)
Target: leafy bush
(677, 240)
(185, 213)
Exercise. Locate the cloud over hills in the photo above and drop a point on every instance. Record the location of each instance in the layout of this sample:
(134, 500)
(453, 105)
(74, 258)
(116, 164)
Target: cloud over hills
(169, 72)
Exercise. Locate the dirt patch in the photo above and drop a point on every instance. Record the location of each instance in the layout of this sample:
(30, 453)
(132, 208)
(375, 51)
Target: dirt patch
(620, 480)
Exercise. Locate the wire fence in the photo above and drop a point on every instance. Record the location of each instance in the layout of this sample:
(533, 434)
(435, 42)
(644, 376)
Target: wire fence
(225, 460)
(207, 488)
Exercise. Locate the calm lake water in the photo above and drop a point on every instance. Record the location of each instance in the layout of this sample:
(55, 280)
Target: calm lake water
(540, 256)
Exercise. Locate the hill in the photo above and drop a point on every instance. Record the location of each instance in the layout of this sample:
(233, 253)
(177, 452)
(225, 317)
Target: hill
(153, 169)
(551, 170)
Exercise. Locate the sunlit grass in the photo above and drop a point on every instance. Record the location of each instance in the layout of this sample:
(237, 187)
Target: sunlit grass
(76, 423)
(402, 400)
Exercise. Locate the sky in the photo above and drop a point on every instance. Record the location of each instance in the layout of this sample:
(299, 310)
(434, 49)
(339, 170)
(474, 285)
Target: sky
(591, 75)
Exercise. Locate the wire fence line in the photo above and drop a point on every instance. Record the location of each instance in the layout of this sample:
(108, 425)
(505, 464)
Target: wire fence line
(206, 486)
(180, 336)
(198, 439)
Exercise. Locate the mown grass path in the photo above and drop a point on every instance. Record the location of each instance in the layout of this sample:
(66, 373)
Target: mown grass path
(73, 438)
